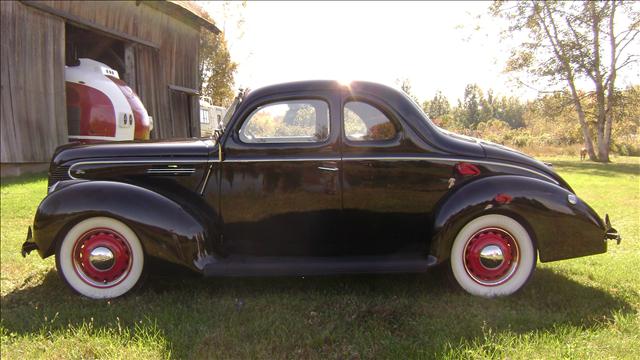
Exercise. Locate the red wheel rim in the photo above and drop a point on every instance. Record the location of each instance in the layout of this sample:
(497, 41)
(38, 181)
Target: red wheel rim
(102, 257)
(491, 256)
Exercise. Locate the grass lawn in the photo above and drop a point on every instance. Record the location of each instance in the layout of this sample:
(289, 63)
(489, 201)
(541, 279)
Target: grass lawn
(587, 307)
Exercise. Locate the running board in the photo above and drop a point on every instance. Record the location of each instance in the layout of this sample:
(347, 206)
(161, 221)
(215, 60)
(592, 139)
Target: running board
(307, 266)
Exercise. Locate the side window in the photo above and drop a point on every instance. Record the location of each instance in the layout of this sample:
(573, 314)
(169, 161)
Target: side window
(363, 122)
(204, 116)
(294, 121)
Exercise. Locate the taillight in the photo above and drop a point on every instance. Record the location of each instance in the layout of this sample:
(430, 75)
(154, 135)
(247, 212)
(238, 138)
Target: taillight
(466, 169)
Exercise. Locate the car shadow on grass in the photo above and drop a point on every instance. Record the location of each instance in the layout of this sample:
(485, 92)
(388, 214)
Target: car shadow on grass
(314, 317)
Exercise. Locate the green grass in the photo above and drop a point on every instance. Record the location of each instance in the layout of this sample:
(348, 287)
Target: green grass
(579, 308)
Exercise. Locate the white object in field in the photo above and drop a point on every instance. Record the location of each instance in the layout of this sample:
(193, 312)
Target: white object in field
(210, 116)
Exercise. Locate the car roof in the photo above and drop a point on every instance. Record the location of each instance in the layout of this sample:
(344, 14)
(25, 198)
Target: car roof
(317, 85)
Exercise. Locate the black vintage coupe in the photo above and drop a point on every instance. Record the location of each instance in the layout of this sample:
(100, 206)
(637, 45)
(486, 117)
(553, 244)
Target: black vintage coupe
(311, 178)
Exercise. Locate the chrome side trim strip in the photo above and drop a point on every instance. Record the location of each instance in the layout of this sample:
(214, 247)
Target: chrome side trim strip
(151, 161)
(247, 160)
(327, 168)
(170, 171)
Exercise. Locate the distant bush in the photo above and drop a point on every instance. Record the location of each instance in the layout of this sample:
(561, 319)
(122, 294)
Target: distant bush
(549, 121)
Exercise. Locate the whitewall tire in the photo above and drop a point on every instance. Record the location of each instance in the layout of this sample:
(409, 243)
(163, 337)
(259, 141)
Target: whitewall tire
(493, 255)
(100, 258)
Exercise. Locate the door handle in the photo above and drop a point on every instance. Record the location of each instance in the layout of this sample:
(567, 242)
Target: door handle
(326, 168)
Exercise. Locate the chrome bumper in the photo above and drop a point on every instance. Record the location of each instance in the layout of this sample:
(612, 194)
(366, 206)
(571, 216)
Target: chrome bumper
(29, 245)
(610, 233)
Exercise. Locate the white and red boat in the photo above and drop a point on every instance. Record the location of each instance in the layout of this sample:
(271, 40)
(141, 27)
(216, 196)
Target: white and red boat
(101, 107)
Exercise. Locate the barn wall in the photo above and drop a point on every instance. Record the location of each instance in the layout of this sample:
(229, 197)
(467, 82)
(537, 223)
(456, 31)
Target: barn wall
(32, 76)
(174, 63)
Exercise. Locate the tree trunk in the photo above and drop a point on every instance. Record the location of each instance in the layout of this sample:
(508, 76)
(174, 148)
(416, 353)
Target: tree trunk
(611, 81)
(588, 142)
(564, 59)
(603, 144)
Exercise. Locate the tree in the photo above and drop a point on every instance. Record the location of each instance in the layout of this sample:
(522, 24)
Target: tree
(509, 110)
(470, 107)
(216, 68)
(405, 86)
(487, 107)
(570, 42)
(437, 107)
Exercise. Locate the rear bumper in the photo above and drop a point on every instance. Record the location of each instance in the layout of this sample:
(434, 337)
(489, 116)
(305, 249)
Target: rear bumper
(29, 245)
(610, 233)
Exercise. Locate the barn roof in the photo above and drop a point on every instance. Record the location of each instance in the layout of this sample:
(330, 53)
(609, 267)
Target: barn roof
(188, 10)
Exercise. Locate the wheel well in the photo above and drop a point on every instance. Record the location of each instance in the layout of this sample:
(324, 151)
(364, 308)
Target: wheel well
(69, 225)
(449, 239)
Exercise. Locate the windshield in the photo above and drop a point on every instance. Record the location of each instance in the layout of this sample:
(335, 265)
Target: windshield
(231, 110)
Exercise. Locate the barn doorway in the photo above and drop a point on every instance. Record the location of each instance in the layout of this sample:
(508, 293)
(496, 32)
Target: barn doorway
(183, 117)
(84, 43)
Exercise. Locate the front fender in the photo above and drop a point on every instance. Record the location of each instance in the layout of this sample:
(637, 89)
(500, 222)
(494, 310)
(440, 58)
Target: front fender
(178, 231)
(560, 230)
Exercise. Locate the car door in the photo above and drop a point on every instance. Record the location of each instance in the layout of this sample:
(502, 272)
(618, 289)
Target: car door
(388, 190)
(280, 183)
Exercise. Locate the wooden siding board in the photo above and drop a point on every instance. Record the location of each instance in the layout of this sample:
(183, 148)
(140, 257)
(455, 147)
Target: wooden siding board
(33, 106)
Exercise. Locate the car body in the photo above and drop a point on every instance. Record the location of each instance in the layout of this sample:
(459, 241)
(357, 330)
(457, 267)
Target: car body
(311, 177)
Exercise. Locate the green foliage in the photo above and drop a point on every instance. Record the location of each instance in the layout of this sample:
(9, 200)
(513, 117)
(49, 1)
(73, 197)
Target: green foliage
(216, 68)
(437, 107)
(548, 121)
(469, 114)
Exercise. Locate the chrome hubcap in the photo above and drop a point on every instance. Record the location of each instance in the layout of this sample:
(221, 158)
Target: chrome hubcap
(102, 258)
(491, 257)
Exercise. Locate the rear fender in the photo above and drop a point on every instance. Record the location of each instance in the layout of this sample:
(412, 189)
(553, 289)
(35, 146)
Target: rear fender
(559, 229)
(179, 231)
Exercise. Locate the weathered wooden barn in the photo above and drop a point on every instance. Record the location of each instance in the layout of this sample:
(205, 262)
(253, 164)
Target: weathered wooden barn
(152, 44)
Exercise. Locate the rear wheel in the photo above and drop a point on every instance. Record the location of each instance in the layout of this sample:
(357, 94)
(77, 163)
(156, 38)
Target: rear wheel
(493, 255)
(100, 258)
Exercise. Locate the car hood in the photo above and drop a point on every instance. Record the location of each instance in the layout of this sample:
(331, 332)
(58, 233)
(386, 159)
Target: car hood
(187, 148)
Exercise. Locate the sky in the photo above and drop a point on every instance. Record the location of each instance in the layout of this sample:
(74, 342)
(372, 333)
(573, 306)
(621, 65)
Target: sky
(438, 46)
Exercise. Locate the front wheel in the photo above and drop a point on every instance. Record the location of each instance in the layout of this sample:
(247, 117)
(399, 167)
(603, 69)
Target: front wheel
(493, 255)
(100, 258)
